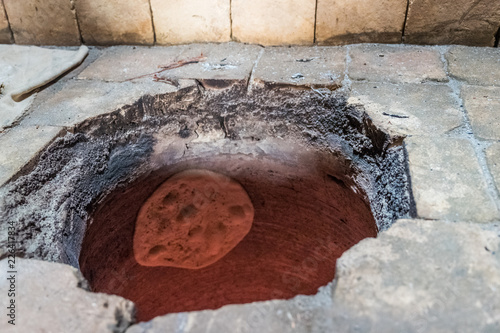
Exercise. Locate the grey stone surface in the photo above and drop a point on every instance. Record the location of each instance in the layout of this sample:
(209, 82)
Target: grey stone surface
(475, 65)
(11, 110)
(447, 180)
(120, 63)
(305, 66)
(20, 145)
(52, 297)
(483, 108)
(493, 160)
(397, 64)
(421, 276)
(43, 22)
(418, 109)
(74, 101)
(229, 61)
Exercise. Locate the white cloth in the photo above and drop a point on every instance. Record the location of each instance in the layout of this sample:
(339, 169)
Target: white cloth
(25, 68)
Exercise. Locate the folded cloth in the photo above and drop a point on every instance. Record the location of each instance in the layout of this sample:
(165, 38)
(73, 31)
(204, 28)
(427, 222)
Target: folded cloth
(26, 68)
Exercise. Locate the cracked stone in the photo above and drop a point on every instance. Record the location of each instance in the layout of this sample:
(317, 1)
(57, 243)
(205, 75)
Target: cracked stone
(53, 297)
(229, 61)
(77, 100)
(420, 276)
(301, 66)
(409, 109)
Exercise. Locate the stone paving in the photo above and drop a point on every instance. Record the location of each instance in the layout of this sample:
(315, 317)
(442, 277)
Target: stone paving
(443, 100)
(431, 95)
(93, 312)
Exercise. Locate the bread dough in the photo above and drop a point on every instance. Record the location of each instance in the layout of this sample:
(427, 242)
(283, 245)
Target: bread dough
(192, 220)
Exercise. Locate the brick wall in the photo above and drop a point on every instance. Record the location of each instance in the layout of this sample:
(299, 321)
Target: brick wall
(266, 22)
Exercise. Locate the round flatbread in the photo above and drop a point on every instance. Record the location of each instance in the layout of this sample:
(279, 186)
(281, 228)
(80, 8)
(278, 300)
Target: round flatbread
(192, 220)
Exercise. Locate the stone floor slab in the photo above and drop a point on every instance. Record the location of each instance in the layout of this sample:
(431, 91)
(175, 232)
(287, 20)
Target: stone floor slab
(52, 297)
(11, 111)
(20, 145)
(483, 108)
(475, 65)
(396, 64)
(493, 160)
(304, 66)
(447, 181)
(409, 109)
(121, 63)
(115, 22)
(77, 100)
(230, 61)
(420, 276)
